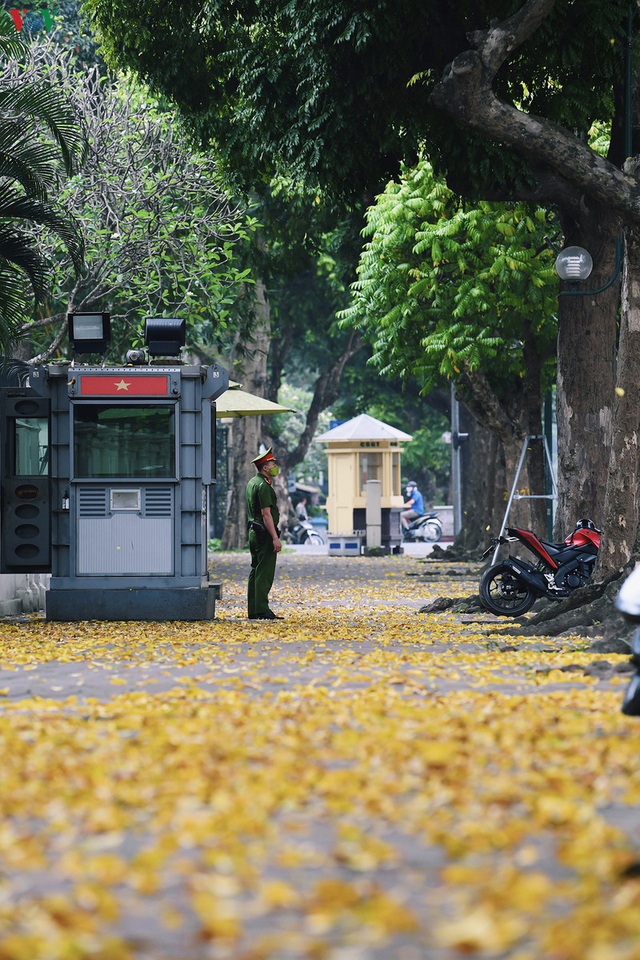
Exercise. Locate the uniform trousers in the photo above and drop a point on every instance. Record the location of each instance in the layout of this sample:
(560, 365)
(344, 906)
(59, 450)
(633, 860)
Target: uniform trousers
(263, 570)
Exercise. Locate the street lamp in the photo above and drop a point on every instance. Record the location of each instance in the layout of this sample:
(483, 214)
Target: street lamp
(574, 263)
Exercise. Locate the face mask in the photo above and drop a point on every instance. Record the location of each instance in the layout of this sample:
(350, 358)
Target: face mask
(273, 471)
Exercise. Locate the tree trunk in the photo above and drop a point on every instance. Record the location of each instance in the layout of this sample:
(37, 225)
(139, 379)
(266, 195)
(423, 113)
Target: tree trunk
(249, 365)
(621, 502)
(511, 427)
(587, 332)
(483, 489)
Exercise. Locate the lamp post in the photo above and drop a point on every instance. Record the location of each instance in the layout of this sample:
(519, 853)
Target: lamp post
(456, 440)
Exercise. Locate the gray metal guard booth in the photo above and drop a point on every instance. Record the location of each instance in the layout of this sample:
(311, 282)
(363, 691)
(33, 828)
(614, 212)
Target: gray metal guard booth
(130, 454)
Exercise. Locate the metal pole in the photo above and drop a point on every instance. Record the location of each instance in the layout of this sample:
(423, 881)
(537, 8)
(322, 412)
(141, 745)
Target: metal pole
(456, 486)
(628, 87)
(525, 446)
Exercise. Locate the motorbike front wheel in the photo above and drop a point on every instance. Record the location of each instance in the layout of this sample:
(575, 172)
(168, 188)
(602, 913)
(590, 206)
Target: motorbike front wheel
(504, 593)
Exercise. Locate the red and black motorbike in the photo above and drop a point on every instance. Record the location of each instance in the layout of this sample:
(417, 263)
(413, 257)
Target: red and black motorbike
(512, 586)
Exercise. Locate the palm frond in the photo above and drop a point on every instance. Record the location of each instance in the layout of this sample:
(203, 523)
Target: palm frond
(41, 103)
(11, 45)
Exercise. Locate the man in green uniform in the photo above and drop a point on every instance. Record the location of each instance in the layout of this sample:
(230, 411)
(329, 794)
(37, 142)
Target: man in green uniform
(264, 539)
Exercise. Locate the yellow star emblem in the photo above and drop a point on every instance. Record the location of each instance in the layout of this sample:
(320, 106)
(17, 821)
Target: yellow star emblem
(122, 384)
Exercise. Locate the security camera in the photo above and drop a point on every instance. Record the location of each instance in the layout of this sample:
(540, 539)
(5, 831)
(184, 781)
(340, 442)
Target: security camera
(135, 356)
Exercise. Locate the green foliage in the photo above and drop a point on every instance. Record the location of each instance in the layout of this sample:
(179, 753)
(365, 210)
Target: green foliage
(40, 140)
(443, 286)
(160, 227)
(427, 459)
(322, 89)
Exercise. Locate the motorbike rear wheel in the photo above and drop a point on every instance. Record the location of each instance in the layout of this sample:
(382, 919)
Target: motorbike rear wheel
(314, 540)
(432, 531)
(504, 593)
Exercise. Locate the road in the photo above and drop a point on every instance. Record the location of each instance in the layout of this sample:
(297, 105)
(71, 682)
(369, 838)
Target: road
(358, 781)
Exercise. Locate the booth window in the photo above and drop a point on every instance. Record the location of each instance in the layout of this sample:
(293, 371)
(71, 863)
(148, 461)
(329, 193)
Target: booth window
(31, 446)
(370, 469)
(127, 440)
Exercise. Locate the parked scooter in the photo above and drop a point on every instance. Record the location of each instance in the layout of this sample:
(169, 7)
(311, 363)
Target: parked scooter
(304, 532)
(628, 602)
(512, 586)
(427, 528)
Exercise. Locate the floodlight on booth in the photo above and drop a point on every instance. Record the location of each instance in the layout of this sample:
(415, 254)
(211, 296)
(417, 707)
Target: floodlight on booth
(164, 337)
(89, 332)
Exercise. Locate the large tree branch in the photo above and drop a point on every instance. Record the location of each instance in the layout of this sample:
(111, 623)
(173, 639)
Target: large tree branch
(465, 92)
(326, 392)
(485, 407)
(501, 39)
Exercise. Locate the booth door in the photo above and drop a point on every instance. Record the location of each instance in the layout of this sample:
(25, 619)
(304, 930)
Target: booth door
(26, 486)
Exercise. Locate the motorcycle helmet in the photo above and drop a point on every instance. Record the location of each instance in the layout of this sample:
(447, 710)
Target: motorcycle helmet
(586, 524)
(411, 483)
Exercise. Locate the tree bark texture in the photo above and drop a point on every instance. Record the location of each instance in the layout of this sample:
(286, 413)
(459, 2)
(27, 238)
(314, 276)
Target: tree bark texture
(621, 503)
(483, 487)
(511, 428)
(249, 366)
(587, 334)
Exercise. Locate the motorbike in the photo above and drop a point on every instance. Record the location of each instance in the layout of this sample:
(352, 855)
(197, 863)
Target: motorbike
(304, 532)
(511, 587)
(628, 602)
(427, 528)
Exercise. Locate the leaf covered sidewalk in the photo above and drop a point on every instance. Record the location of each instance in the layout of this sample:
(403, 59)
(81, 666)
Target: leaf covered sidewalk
(359, 781)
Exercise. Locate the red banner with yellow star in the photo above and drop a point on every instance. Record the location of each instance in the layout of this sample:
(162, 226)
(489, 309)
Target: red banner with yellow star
(124, 386)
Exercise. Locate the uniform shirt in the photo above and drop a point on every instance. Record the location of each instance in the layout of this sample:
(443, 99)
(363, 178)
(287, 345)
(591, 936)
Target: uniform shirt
(261, 494)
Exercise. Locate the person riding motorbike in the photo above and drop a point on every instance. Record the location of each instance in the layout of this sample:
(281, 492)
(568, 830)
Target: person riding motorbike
(414, 507)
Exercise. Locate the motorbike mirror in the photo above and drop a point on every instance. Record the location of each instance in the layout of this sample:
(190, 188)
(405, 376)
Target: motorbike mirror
(628, 599)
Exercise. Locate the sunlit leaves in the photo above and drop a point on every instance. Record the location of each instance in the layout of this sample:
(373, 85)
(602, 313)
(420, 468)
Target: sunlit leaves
(442, 283)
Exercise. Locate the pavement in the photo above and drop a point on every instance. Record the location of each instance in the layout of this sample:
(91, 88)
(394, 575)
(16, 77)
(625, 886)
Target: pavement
(408, 549)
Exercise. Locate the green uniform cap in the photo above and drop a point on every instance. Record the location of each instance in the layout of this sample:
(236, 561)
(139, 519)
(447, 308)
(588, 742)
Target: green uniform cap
(263, 457)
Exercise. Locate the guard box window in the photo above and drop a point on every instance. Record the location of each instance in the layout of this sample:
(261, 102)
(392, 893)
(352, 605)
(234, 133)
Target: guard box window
(370, 469)
(127, 440)
(31, 446)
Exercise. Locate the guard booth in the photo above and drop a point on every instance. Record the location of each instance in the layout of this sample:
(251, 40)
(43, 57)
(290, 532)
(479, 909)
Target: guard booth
(359, 451)
(105, 480)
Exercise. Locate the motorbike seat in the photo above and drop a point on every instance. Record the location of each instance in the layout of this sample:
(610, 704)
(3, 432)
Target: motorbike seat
(552, 547)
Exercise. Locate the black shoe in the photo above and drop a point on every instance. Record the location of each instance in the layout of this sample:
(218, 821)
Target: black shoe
(269, 615)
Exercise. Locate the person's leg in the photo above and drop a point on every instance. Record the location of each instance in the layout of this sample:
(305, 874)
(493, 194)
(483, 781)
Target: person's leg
(251, 587)
(263, 569)
(406, 516)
